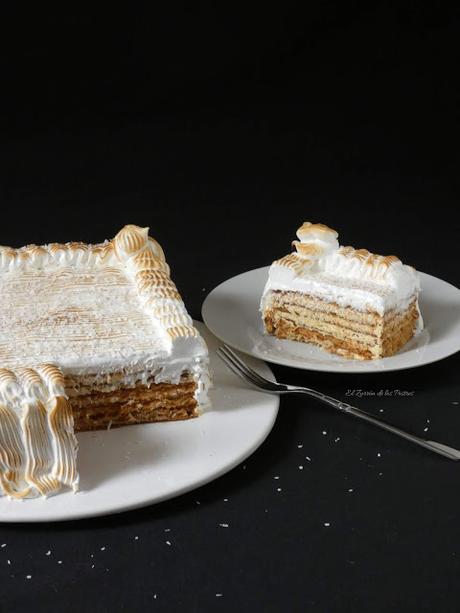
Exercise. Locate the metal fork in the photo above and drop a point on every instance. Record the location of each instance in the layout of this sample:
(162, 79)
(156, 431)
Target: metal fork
(236, 365)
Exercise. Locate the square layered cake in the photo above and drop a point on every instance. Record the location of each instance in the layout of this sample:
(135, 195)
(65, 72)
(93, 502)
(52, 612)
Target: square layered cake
(99, 330)
(347, 301)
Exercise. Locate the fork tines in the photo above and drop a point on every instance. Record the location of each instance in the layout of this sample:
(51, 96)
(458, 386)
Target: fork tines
(238, 367)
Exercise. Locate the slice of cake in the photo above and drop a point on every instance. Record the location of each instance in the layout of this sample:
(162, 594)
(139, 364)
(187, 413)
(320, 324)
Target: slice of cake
(348, 301)
(110, 319)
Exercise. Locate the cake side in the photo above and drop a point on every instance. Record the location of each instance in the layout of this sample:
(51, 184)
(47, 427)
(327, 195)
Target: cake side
(340, 330)
(145, 264)
(350, 302)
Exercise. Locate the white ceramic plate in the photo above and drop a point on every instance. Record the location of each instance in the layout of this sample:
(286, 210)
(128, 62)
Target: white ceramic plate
(131, 467)
(231, 312)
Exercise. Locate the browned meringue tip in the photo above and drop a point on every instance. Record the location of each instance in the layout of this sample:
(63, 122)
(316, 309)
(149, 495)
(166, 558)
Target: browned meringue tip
(293, 261)
(53, 248)
(307, 249)
(35, 250)
(156, 249)
(371, 259)
(308, 228)
(130, 240)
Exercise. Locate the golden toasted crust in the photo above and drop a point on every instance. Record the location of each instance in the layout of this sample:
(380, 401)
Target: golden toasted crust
(140, 404)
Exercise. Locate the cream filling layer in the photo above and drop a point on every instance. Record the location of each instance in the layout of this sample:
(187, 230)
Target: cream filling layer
(362, 295)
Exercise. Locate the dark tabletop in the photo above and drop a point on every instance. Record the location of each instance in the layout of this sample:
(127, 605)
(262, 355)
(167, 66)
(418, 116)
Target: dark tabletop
(223, 132)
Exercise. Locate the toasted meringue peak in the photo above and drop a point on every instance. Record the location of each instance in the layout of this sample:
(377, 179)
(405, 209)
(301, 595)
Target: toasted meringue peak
(156, 249)
(316, 240)
(54, 248)
(101, 255)
(7, 378)
(36, 251)
(371, 259)
(294, 262)
(182, 331)
(315, 230)
(308, 249)
(145, 260)
(130, 240)
(53, 377)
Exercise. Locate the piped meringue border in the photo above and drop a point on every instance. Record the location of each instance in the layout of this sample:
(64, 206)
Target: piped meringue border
(143, 261)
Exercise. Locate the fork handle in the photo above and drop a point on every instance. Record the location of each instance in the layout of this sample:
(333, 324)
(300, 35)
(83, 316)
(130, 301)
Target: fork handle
(444, 450)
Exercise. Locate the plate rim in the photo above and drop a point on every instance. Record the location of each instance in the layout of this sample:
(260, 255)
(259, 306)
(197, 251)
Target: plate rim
(308, 366)
(76, 515)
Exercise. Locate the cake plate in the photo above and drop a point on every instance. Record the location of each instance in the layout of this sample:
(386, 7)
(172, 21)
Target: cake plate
(135, 466)
(231, 312)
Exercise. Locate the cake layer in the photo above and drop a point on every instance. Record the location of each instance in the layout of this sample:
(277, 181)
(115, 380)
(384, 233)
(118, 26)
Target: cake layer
(341, 321)
(300, 307)
(338, 329)
(286, 330)
(141, 404)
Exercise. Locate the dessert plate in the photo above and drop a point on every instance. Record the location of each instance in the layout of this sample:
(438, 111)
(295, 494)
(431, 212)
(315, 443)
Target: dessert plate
(135, 466)
(231, 312)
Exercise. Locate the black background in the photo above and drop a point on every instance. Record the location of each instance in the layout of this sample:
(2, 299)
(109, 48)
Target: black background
(223, 129)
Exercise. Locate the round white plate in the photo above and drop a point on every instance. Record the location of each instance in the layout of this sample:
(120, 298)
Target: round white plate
(131, 467)
(231, 312)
